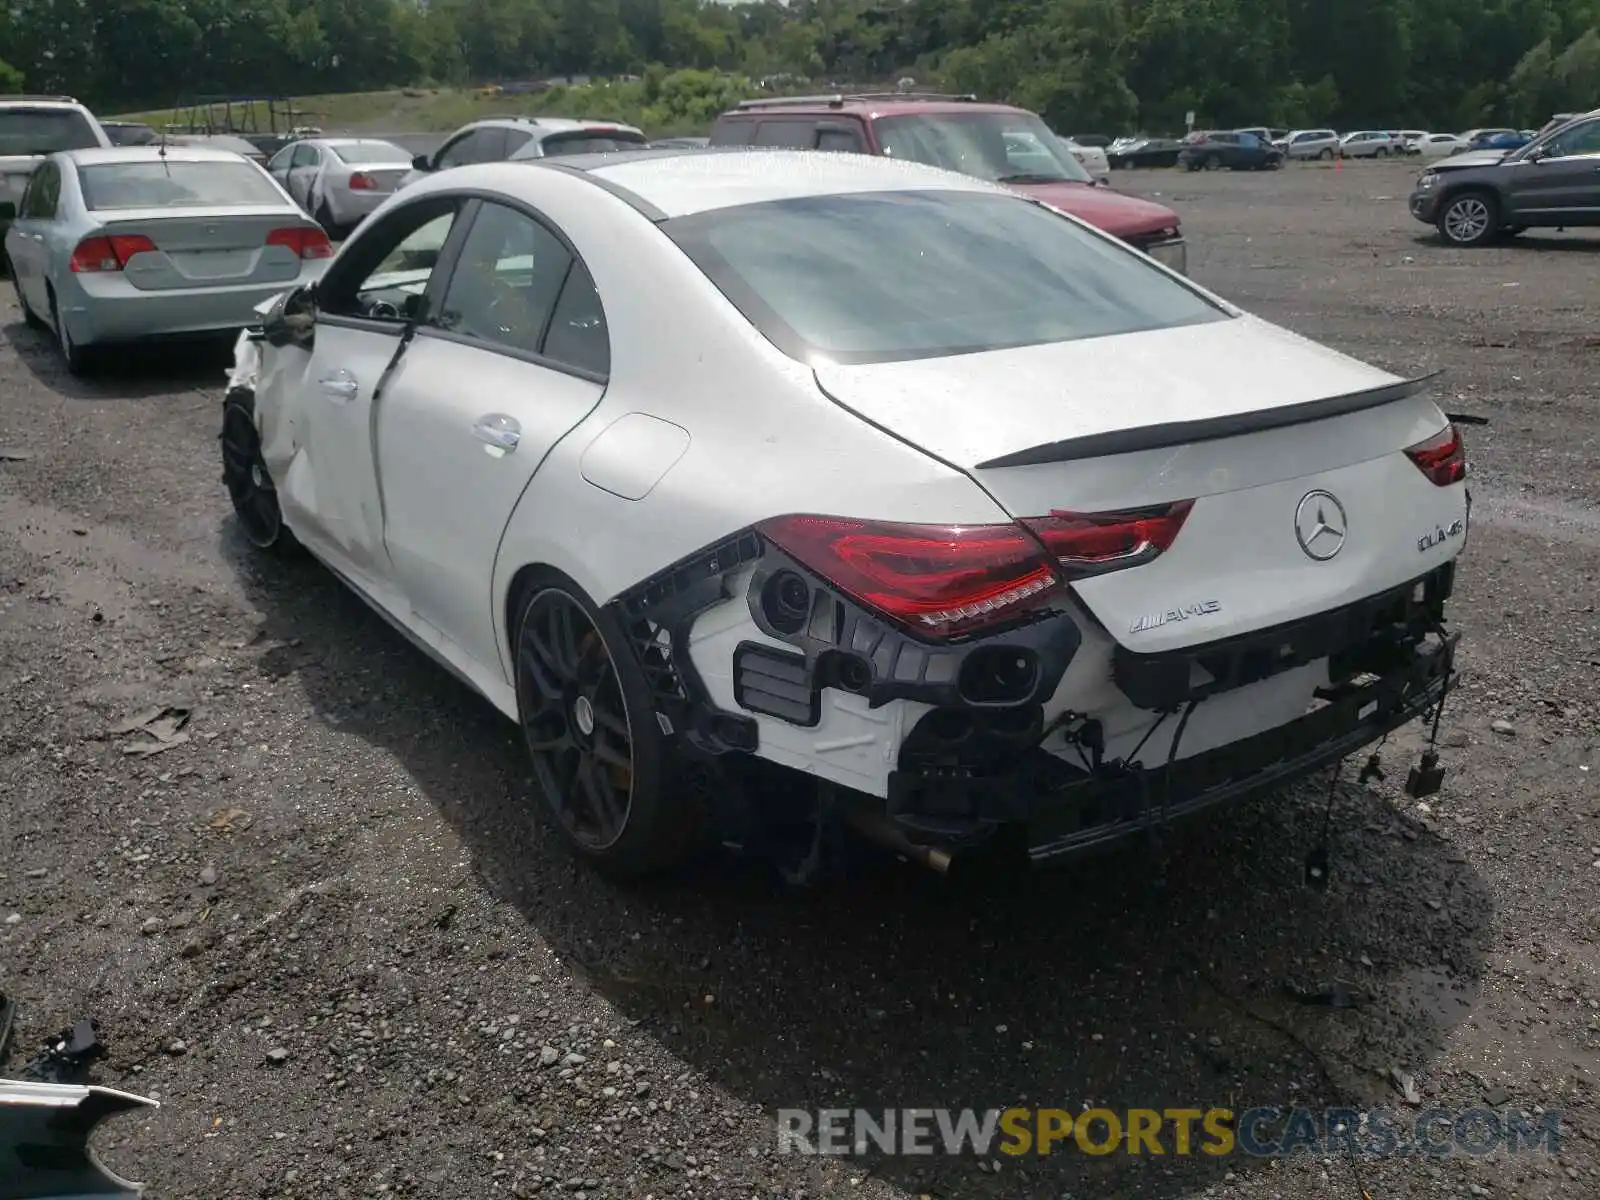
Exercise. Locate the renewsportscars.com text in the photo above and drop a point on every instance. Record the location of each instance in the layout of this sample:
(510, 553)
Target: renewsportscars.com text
(1259, 1132)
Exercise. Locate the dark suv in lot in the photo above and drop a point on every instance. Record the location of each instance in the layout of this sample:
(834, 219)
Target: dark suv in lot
(1553, 181)
(997, 142)
(1239, 151)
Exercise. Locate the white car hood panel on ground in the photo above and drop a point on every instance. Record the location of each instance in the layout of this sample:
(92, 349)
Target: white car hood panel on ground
(1237, 558)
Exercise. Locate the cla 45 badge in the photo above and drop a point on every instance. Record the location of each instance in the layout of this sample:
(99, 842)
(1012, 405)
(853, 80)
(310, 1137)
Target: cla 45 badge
(1440, 535)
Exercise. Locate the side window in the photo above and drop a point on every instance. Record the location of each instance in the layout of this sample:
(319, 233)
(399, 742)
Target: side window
(578, 336)
(504, 286)
(1580, 139)
(733, 133)
(459, 152)
(840, 138)
(489, 145)
(304, 156)
(786, 133)
(385, 273)
(516, 139)
(44, 192)
(281, 160)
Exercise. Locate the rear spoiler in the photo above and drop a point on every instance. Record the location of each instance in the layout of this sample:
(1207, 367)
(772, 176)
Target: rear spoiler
(1182, 433)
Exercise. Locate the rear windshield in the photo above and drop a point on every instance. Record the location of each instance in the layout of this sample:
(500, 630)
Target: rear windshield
(176, 184)
(899, 275)
(372, 153)
(44, 130)
(593, 143)
(130, 135)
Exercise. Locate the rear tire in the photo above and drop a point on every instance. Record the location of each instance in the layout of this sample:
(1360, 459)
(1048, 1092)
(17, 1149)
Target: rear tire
(330, 227)
(79, 360)
(250, 486)
(1212, 163)
(607, 773)
(1469, 218)
(1326, 154)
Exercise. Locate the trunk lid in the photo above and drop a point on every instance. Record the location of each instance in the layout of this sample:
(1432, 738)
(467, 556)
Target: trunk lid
(1237, 564)
(207, 247)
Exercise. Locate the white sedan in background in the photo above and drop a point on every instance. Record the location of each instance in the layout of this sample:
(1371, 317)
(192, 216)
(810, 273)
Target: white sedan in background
(127, 244)
(1091, 158)
(886, 484)
(1441, 145)
(340, 181)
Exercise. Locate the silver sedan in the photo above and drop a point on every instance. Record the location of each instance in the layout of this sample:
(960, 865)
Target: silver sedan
(130, 243)
(340, 180)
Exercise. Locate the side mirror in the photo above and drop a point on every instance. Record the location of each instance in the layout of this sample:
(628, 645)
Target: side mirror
(1538, 154)
(293, 320)
(8, 210)
(422, 163)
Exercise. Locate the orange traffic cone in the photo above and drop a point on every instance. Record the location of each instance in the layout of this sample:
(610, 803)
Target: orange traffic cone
(1338, 163)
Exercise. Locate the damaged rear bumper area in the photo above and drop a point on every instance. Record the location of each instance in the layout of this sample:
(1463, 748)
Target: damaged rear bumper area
(1389, 659)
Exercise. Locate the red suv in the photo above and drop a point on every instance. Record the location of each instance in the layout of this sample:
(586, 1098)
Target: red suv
(990, 141)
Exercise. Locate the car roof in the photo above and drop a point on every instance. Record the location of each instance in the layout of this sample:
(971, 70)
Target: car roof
(871, 104)
(676, 183)
(543, 126)
(40, 102)
(136, 154)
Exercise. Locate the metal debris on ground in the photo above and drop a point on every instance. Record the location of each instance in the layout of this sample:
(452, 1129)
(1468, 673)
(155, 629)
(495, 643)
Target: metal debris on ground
(44, 1139)
(1406, 1086)
(1333, 994)
(7, 454)
(162, 727)
(67, 1056)
(230, 819)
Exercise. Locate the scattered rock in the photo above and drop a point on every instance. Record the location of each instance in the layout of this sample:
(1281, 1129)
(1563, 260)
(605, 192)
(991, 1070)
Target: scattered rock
(36, 873)
(208, 876)
(549, 1056)
(1495, 1095)
(14, 919)
(178, 1046)
(573, 1059)
(152, 926)
(1504, 728)
(277, 1056)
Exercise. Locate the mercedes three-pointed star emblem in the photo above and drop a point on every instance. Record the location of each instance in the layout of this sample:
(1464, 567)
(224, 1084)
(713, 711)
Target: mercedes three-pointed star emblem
(1320, 524)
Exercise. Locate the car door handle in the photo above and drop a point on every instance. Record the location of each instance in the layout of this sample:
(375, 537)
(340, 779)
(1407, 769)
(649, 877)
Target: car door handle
(498, 432)
(340, 386)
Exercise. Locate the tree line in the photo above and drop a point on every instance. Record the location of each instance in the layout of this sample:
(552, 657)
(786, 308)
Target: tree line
(1104, 65)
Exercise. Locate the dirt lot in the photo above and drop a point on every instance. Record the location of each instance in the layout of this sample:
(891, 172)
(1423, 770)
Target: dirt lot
(329, 934)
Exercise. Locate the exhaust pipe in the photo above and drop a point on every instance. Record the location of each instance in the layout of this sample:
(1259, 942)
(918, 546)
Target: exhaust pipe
(880, 828)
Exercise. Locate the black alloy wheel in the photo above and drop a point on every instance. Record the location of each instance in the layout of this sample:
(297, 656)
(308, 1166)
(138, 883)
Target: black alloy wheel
(250, 486)
(599, 755)
(576, 722)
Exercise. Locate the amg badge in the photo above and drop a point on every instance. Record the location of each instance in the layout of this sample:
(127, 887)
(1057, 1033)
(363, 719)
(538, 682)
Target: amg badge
(1440, 535)
(1156, 620)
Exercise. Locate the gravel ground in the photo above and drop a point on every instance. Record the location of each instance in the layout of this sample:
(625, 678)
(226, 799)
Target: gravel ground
(330, 935)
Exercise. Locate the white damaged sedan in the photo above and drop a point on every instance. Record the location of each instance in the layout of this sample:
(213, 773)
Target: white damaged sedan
(978, 521)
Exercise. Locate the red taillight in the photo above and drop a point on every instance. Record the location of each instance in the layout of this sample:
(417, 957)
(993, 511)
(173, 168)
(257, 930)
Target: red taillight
(941, 580)
(109, 253)
(305, 241)
(1085, 544)
(1442, 458)
(362, 182)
